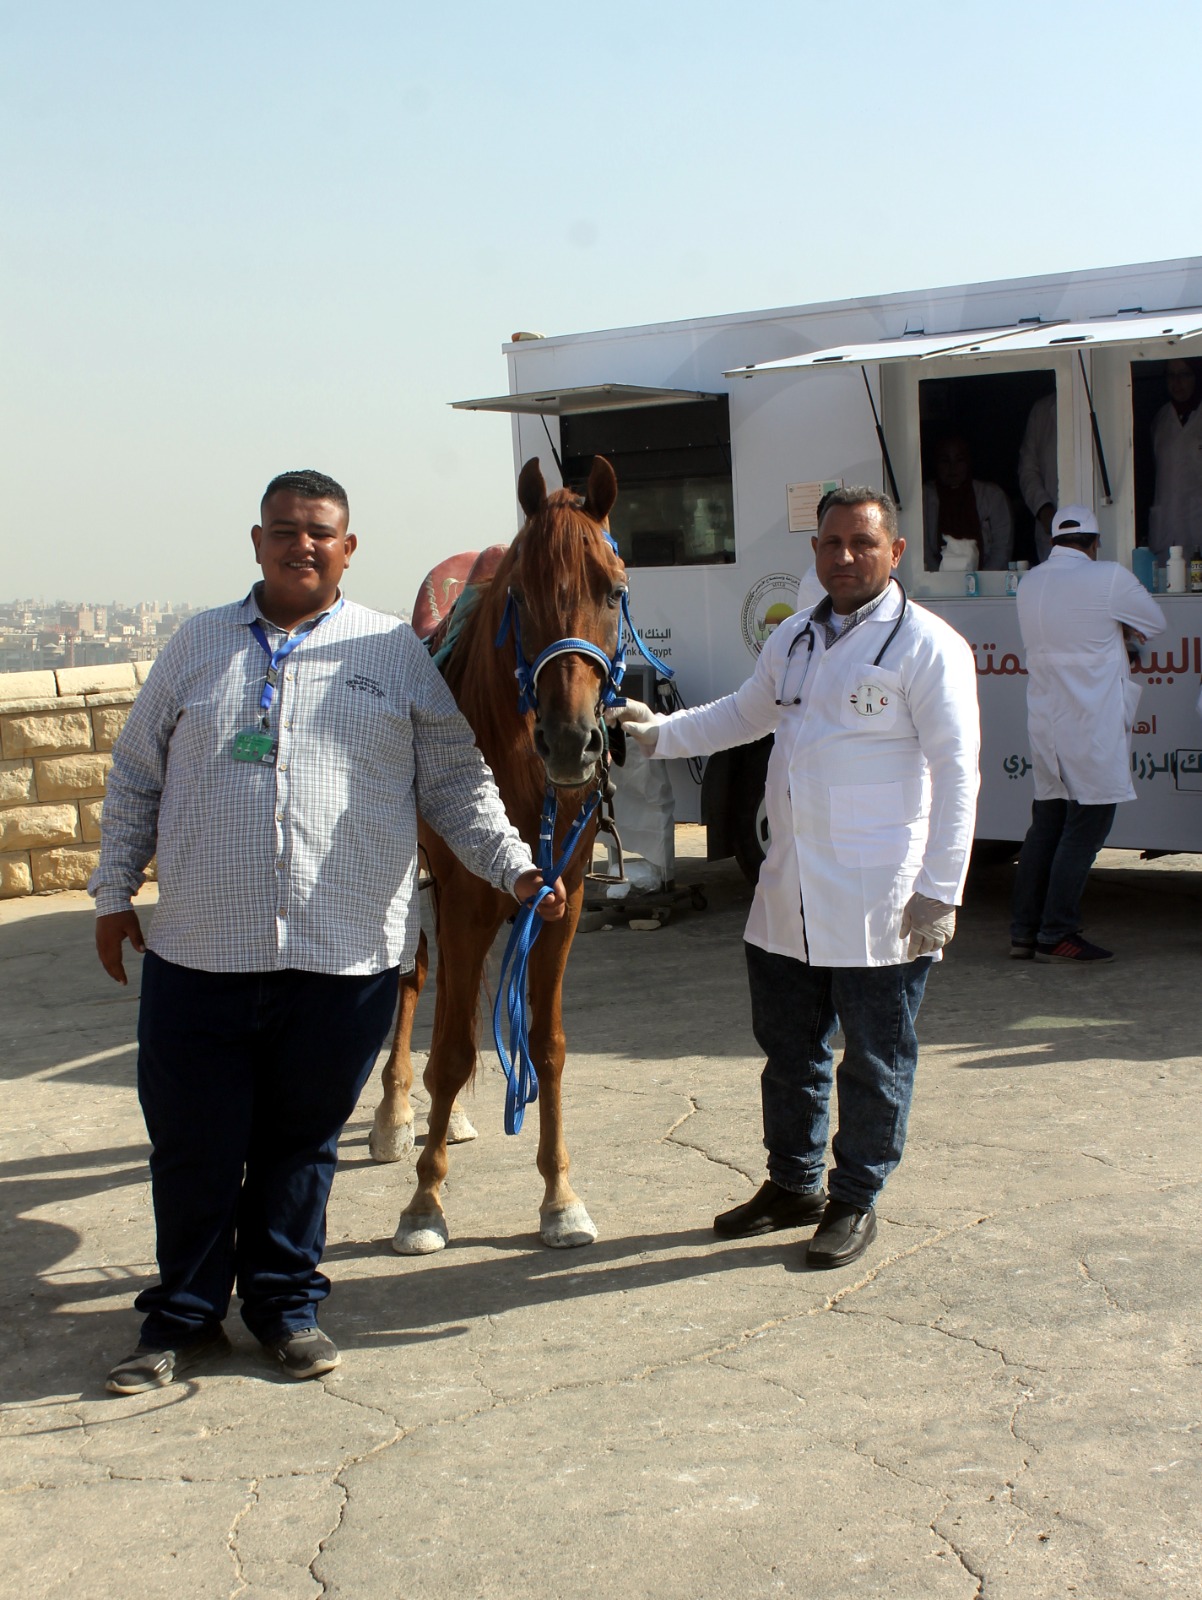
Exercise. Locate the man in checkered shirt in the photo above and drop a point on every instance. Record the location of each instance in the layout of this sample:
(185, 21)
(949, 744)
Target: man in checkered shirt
(275, 762)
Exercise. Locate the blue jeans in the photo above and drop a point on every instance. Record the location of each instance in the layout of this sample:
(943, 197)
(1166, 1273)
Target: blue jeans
(246, 1080)
(795, 1011)
(1053, 865)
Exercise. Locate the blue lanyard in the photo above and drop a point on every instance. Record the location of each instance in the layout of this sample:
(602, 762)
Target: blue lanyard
(276, 658)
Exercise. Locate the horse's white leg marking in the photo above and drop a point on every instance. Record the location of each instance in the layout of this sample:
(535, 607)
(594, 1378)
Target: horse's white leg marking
(420, 1234)
(565, 1227)
(459, 1129)
(390, 1143)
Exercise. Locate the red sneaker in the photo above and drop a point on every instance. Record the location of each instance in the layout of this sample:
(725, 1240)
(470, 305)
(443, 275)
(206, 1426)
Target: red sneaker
(1075, 949)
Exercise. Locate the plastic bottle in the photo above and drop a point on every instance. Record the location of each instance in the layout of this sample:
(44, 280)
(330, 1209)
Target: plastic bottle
(1195, 572)
(1012, 578)
(1176, 570)
(1143, 565)
(971, 586)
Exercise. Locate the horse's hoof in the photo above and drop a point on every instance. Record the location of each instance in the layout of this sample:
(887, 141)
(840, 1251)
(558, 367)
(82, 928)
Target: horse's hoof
(420, 1235)
(459, 1129)
(567, 1227)
(390, 1144)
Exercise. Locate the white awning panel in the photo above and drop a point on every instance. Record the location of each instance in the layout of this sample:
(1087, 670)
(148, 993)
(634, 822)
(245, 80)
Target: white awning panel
(591, 397)
(909, 347)
(1146, 328)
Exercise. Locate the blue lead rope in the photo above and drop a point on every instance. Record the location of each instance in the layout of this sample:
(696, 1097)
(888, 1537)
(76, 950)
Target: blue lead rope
(521, 1079)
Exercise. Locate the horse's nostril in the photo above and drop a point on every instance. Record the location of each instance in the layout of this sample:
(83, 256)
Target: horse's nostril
(540, 743)
(593, 745)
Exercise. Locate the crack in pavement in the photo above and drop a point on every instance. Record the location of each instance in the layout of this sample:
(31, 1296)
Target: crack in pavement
(1099, 1283)
(241, 1581)
(980, 1592)
(686, 1144)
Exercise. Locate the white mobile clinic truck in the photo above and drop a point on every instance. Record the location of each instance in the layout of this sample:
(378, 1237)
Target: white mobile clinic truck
(725, 431)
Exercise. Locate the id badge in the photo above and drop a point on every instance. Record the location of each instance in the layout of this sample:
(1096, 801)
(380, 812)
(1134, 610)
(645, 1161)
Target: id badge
(252, 744)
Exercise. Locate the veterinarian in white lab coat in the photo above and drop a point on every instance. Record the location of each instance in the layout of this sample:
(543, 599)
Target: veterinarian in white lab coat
(871, 796)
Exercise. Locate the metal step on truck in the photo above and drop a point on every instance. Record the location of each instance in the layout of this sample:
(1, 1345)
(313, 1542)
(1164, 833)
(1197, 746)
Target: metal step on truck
(726, 431)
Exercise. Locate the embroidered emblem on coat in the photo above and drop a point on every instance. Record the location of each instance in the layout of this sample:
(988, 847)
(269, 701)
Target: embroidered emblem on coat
(869, 699)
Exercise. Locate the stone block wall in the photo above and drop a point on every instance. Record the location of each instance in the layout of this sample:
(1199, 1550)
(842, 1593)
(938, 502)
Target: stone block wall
(56, 732)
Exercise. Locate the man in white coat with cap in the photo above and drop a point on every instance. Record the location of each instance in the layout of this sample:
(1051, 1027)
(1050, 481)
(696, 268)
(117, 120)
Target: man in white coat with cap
(871, 797)
(1075, 614)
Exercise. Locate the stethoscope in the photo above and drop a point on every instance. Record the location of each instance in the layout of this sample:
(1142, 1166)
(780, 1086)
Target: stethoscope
(807, 633)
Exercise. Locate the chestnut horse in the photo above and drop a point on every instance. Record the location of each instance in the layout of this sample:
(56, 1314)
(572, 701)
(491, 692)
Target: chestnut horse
(567, 584)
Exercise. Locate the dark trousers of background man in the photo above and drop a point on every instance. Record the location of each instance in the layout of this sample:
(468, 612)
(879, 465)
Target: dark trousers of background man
(1061, 846)
(246, 1081)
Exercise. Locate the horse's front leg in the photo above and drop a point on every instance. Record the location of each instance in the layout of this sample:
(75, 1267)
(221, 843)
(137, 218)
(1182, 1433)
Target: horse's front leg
(463, 946)
(391, 1134)
(563, 1220)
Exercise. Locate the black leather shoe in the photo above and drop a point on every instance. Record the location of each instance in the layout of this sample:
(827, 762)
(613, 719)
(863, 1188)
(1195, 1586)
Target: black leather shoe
(843, 1235)
(770, 1208)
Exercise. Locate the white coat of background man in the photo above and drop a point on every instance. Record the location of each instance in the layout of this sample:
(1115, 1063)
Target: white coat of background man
(1075, 613)
(871, 796)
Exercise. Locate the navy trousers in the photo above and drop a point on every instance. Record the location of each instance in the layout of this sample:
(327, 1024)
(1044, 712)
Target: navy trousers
(795, 1012)
(246, 1081)
(1061, 846)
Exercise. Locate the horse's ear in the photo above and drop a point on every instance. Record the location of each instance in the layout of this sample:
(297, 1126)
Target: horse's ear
(602, 489)
(532, 490)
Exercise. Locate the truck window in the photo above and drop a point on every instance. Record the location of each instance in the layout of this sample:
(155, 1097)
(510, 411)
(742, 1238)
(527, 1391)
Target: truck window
(675, 496)
(1166, 416)
(988, 468)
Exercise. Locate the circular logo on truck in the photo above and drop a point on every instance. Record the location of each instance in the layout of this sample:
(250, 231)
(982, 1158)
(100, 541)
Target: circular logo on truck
(766, 606)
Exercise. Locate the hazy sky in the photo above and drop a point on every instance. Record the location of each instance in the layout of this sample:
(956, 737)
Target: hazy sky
(243, 237)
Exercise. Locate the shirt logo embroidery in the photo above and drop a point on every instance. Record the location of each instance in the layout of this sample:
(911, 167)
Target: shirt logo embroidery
(368, 685)
(869, 699)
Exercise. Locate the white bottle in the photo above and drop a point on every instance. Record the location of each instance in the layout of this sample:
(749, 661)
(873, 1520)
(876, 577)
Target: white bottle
(1176, 570)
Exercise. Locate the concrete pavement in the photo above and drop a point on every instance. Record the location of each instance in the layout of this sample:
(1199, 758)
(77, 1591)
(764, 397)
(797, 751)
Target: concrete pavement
(1002, 1399)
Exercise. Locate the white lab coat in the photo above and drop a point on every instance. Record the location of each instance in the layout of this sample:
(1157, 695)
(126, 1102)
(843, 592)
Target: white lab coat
(1081, 699)
(1176, 514)
(872, 786)
(997, 532)
(1038, 468)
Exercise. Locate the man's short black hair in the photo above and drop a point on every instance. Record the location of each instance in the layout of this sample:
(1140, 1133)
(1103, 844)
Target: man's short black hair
(309, 485)
(859, 495)
(1076, 541)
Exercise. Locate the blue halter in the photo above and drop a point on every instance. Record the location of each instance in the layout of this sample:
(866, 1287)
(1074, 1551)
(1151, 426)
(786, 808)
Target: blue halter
(613, 668)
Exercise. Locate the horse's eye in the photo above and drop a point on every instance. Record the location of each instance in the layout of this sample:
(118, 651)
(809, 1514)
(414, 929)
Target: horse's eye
(616, 595)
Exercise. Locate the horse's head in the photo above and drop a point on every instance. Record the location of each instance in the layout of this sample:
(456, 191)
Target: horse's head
(567, 584)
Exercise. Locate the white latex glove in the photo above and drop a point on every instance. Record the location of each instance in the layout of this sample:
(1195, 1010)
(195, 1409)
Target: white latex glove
(639, 721)
(929, 923)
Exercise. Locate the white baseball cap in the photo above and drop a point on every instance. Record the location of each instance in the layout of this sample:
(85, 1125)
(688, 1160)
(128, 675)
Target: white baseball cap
(1074, 522)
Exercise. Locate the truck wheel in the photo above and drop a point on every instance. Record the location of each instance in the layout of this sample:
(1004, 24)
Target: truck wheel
(749, 812)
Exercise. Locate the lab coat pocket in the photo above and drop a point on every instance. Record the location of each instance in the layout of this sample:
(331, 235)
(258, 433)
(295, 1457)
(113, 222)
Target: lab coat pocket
(1131, 694)
(871, 696)
(869, 826)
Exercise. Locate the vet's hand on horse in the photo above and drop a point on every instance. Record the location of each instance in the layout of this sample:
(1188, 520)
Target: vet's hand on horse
(550, 909)
(640, 722)
(111, 933)
(929, 923)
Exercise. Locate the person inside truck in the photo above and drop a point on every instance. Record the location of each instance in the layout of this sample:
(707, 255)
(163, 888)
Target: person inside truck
(871, 798)
(1038, 472)
(1176, 514)
(967, 525)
